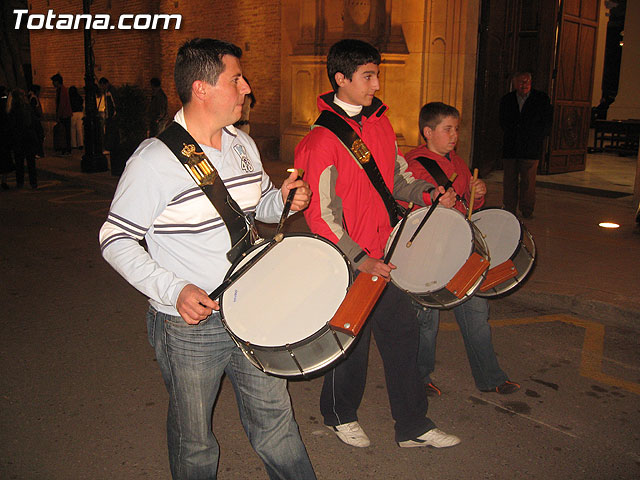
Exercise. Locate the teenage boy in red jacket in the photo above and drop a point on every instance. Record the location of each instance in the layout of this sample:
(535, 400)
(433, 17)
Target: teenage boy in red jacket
(439, 127)
(347, 209)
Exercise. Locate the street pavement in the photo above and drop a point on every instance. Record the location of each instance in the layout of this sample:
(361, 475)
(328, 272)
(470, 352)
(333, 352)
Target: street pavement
(82, 396)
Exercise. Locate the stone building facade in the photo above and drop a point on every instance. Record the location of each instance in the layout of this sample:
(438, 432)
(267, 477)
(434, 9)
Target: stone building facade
(428, 52)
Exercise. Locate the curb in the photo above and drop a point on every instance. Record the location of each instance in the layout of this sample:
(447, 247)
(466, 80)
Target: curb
(619, 314)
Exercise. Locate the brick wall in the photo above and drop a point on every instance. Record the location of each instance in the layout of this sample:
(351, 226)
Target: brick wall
(121, 56)
(134, 56)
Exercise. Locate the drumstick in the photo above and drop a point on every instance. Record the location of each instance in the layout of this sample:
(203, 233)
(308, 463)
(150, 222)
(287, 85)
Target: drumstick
(244, 269)
(287, 204)
(473, 193)
(392, 247)
(434, 204)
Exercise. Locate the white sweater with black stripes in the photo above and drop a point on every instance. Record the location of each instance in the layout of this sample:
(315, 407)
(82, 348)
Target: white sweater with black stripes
(187, 241)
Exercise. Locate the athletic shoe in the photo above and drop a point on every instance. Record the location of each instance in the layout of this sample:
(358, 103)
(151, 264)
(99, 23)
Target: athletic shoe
(433, 390)
(352, 434)
(506, 388)
(433, 438)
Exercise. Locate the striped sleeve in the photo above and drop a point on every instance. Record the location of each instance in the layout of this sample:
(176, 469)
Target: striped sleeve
(136, 203)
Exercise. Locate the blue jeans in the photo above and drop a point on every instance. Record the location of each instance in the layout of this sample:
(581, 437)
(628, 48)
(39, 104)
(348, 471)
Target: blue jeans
(193, 359)
(473, 318)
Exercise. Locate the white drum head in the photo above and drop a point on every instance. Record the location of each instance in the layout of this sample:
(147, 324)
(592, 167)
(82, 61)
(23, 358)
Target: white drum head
(501, 231)
(289, 294)
(438, 252)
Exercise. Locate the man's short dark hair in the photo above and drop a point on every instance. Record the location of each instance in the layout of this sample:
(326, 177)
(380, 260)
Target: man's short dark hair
(347, 55)
(155, 82)
(103, 81)
(433, 113)
(201, 59)
(57, 78)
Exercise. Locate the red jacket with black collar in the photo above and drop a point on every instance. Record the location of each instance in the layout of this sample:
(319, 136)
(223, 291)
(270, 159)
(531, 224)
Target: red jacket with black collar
(345, 206)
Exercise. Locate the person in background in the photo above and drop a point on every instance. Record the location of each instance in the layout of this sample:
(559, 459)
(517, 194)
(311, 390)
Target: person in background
(157, 114)
(24, 137)
(63, 110)
(525, 119)
(107, 113)
(249, 102)
(77, 133)
(6, 159)
(36, 107)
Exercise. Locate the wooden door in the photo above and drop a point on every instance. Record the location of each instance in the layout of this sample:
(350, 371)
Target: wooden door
(572, 85)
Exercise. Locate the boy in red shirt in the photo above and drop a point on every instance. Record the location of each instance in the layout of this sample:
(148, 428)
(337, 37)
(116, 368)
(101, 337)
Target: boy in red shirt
(439, 127)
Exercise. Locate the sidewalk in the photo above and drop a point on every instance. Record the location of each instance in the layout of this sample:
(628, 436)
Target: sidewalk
(581, 268)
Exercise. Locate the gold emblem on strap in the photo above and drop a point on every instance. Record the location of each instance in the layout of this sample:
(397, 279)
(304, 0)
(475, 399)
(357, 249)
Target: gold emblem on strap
(199, 166)
(361, 152)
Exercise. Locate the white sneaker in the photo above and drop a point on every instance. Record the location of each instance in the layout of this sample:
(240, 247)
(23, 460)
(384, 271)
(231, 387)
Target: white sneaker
(433, 438)
(352, 434)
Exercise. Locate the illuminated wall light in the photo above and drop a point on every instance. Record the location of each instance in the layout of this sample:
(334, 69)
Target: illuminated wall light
(608, 225)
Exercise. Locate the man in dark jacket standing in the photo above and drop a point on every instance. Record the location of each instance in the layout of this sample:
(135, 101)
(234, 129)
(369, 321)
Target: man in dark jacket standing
(525, 118)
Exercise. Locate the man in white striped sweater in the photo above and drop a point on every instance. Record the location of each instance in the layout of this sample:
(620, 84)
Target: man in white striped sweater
(187, 241)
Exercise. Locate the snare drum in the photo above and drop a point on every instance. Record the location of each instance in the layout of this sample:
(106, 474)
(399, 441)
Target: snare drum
(446, 262)
(278, 311)
(513, 251)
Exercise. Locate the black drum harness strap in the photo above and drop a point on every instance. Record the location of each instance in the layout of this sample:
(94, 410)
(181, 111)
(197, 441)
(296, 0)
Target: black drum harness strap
(239, 226)
(431, 166)
(356, 146)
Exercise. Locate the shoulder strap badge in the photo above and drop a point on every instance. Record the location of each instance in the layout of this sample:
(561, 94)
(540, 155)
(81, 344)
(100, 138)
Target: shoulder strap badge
(361, 152)
(199, 166)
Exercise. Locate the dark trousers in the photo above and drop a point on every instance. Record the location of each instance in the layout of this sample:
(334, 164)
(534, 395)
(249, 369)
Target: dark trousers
(395, 327)
(519, 184)
(20, 157)
(67, 134)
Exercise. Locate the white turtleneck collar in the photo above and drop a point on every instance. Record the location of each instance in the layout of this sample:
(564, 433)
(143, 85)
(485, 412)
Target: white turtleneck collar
(351, 110)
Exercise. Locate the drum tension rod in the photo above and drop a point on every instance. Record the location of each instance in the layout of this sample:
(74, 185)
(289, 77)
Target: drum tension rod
(295, 360)
(335, 336)
(249, 351)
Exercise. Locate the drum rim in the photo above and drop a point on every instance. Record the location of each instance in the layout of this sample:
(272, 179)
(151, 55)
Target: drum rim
(518, 280)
